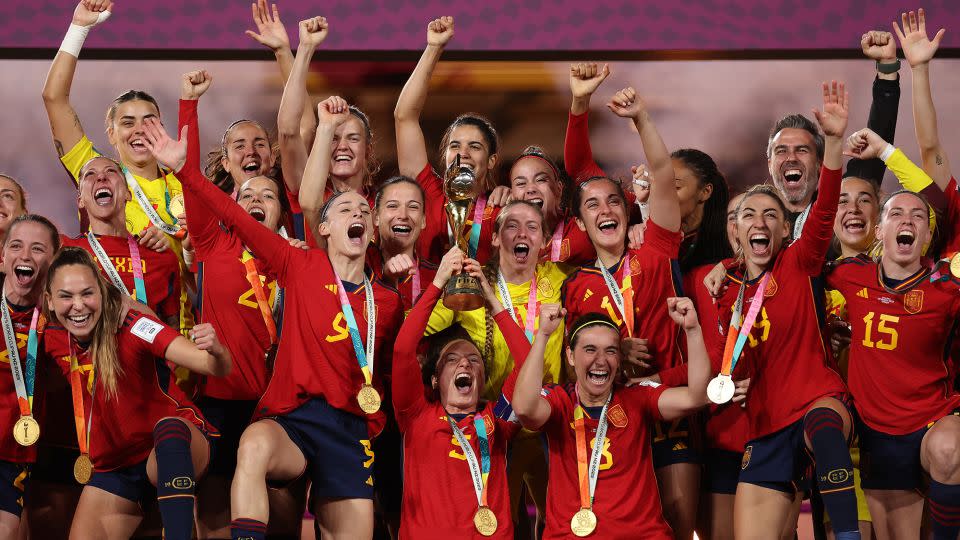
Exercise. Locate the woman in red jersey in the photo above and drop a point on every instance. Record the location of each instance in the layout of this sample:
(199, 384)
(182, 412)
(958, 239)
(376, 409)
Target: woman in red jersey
(795, 403)
(166, 442)
(322, 405)
(598, 430)
(464, 493)
(30, 244)
(470, 137)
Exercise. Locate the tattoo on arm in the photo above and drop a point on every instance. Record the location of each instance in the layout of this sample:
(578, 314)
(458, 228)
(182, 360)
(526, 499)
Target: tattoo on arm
(939, 159)
(59, 146)
(76, 120)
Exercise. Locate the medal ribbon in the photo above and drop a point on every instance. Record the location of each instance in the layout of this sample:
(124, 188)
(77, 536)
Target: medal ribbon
(736, 339)
(479, 472)
(135, 266)
(475, 226)
(365, 359)
(76, 389)
(531, 304)
(24, 399)
(144, 203)
(588, 474)
(415, 285)
(556, 242)
(623, 301)
(253, 276)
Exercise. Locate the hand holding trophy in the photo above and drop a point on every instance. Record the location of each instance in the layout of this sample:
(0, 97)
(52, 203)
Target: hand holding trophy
(462, 292)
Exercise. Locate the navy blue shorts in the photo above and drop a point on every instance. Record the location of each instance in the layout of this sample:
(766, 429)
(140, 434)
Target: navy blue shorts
(673, 443)
(388, 468)
(14, 478)
(722, 471)
(131, 483)
(230, 417)
(336, 446)
(55, 465)
(778, 461)
(891, 462)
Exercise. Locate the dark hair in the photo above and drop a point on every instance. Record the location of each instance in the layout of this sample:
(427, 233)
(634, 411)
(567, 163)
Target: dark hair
(214, 169)
(576, 196)
(489, 134)
(586, 321)
(129, 95)
(435, 345)
(558, 174)
(36, 218)
(797, 121)
(711, 245)
(21, 194)
(286, 213)
(392, 181)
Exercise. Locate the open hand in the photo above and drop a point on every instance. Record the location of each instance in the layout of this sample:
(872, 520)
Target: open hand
(833, 118)
(270, 27)
(917, 47)
(170, 153)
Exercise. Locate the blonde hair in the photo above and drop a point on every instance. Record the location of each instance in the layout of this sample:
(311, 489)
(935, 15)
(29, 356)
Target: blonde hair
(103, 347)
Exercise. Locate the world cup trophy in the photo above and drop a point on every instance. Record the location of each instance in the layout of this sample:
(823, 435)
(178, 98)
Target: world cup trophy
(462, 291)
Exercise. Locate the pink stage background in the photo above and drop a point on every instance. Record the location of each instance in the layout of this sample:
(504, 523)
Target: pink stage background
(500, 25)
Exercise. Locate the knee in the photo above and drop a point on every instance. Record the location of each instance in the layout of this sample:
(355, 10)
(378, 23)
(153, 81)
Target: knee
(254, 450)
(943, 451)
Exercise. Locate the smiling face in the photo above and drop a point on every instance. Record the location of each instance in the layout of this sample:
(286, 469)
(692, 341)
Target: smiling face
(468, 142)
(347, 225)
(595, 358)
(904, 229)
(691, 193)
(794, 166)
(533, 180)
(247, 152)
(125, 132)
(400, 217)
(11, 202)
(460, 376)
(857, 214)
(103, 190)
(75, 298)
(349, 149)
(26, 256)
(259, 197)
(603, 214)
(520, 237)
(761, 230)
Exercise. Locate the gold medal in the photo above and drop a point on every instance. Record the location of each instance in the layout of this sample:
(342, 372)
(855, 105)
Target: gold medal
(176, 206)
(83, 469)
(955, 265)
(26, 430)
(369, 399)
(485, 521)
(584, 522)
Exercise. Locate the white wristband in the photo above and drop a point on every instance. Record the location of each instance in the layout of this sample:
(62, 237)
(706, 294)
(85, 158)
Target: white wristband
(76, 35)
(887, 152)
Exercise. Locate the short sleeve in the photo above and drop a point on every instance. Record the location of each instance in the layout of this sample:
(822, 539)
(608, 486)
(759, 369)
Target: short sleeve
(645, 399)
(75, 158)
(150, 333)
(561, 407)
(661, 241)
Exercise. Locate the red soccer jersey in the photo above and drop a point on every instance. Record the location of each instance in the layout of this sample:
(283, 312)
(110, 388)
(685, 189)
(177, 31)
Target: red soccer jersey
(434, 240)
(439, 499)
(118, 438)
(788, 357)
(10, 450)
(426, 271)
(161, 271)
(654, 279)
(315, 358)
(898, 373)
(58, 427)
(626, 499)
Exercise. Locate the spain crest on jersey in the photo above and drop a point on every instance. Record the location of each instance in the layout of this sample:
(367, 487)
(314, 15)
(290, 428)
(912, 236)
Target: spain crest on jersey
(617, 416)
(913, 301)
(564, 250)
(772, 287)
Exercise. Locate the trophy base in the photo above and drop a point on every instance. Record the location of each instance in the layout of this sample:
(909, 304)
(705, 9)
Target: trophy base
(463, 293)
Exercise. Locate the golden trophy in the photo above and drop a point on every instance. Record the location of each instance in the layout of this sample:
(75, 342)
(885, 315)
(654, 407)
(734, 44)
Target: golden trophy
(462, 292)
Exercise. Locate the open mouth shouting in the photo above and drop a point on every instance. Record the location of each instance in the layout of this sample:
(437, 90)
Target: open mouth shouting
(521, 252)
(793, 175)
(608, 226)
(257, 213)
(855, 225)
(905, 241)
(103, 196)
(463, 383)
(24, 274)
(537, 200)
(401, 231)
(355, 233)
(251, 167)
(343, 158)
(598, 376)
(760, 244)
(139, 145)
(79, 322)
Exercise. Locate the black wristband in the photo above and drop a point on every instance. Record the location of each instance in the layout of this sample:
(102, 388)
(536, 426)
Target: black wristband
(888, 68)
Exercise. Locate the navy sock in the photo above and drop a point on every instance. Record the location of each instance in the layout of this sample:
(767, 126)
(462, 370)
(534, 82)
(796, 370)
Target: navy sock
(247, 529)
(834, 470)
(175, 485)
(944, 503)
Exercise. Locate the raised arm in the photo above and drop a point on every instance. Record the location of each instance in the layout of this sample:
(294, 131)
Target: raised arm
(411, 145)
(882, 48)
(64, 122)
(678, 402)
(577, 153)
(520, 348)
(528, 404)
(407, 382)
(663, 201)
(332, 112)
(293, 148)
(919, 50)
(205, 355)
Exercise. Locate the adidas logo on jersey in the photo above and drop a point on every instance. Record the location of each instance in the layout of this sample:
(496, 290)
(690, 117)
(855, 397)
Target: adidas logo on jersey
(587, 294)
(863, 293)
(332, 288)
